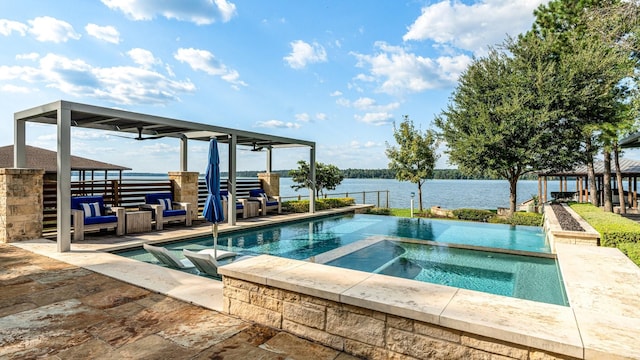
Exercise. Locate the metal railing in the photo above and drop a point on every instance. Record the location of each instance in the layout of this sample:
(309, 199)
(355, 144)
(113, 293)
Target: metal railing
(380, 198)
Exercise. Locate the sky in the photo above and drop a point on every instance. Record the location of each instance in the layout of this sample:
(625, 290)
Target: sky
(339, 73)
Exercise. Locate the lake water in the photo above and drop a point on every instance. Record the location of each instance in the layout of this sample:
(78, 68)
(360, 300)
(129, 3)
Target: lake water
(448, 194)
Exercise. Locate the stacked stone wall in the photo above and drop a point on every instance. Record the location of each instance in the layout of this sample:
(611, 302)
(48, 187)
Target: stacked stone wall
(21, 205)
(185, 189)
(363, 332)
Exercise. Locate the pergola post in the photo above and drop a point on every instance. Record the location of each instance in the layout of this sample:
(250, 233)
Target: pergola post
(183, 153)
(231, 187)
(64, 179)
(312, 179)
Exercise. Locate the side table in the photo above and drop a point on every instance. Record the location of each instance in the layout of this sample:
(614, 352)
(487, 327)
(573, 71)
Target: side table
(253, 208)
(138, 221)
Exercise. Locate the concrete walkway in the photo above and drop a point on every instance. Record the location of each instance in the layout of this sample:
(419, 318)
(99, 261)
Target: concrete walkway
(52, 309)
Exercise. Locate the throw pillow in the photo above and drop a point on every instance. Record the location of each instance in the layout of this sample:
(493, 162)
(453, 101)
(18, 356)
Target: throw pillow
(91, 209)
(166, 204)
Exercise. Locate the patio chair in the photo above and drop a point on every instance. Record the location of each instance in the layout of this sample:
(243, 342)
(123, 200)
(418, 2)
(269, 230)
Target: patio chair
(166, 210)
(241, 209)
(267, 203)
(168, 258)
(90, 214)
(205, 263)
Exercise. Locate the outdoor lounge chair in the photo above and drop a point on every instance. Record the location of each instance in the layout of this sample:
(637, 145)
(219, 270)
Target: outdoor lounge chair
(90, 214)
(241, 209)
(166, 210)
(267, 203)
(166, 257)
(205, 262)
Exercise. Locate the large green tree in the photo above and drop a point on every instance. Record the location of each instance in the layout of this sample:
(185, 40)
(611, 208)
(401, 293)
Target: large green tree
(590, 40)
(494, 122)
(415, 156)
(327, 177)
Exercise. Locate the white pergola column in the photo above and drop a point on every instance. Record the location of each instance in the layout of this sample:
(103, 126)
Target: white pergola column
(269, 159)
(312, 178)
(64, 179)
(231, 187)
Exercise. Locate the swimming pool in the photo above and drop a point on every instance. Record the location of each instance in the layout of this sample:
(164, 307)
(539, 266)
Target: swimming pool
(306, 240)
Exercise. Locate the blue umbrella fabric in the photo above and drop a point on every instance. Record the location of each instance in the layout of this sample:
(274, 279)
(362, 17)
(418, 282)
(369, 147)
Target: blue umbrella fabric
(213, 211)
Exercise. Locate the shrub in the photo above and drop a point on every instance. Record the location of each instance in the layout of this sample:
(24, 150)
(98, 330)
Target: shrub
(300, 206)
(613, 228)
(379, 211)
(473, 214)
(519, 218)
(632, 250)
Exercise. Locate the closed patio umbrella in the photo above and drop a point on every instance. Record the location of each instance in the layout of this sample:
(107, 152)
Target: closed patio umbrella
(213, 211)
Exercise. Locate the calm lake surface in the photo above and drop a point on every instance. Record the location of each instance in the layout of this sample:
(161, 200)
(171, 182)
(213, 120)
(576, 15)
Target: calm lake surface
(448, 194)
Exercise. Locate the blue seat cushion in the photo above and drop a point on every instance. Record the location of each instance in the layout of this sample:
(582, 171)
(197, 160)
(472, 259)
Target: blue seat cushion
(100, 219)
(272, 203)
(239, 206)
(169, 213)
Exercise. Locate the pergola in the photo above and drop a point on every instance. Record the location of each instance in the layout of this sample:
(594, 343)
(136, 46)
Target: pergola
(629, 169)
(65, 114)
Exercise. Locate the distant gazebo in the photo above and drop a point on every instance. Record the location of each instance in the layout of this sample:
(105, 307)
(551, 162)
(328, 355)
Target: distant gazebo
(38, 158)
(630, 170)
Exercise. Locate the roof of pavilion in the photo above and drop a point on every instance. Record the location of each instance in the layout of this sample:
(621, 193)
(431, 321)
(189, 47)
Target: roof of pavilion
(627, 167)
(143, 125)
(38, 158)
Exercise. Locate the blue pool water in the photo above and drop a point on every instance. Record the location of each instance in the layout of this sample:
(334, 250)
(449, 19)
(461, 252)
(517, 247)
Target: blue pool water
(524, 277)
(302, 240)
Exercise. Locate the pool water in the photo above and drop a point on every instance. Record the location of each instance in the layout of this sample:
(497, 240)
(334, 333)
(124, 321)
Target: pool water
(524, 277)
(485, 271)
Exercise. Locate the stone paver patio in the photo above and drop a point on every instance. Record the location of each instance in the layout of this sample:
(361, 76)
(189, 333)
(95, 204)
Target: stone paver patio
(52, 309)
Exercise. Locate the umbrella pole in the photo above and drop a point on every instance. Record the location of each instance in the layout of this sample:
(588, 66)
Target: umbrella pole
(214, 228)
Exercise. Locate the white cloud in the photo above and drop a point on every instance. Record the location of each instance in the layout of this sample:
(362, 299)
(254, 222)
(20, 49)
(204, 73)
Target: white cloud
(303, 117)
(8, 88)
(143, 58)
(9, 26)
(397, 71)
(368, 104)
(203, 60)
(121, 85)
(303, 53)
(29, 56)
(321, 116)
(472, 27)
(200, 12)
(46, 28)
(105, 33)
(336, 93)
(277, 124)
(377, 119)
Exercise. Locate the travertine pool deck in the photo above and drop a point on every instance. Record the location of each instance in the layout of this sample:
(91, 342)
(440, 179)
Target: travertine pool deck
(602, 321)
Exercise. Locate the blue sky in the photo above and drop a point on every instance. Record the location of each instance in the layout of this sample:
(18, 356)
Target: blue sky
(335, 72)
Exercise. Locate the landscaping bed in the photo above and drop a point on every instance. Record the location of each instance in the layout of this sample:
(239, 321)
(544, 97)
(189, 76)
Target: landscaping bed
(565, 219)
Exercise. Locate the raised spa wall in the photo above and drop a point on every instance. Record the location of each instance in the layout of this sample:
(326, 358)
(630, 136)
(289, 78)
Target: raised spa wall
(381, 317)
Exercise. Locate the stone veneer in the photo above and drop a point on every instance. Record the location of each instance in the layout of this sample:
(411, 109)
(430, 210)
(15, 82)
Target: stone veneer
(270, 183)
(381, 317)
(556, 235)
(21, 204)
(185, 189)
(363, 332)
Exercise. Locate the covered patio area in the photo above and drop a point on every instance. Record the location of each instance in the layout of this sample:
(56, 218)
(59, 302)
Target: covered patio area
(65, 115)
(630, 170)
